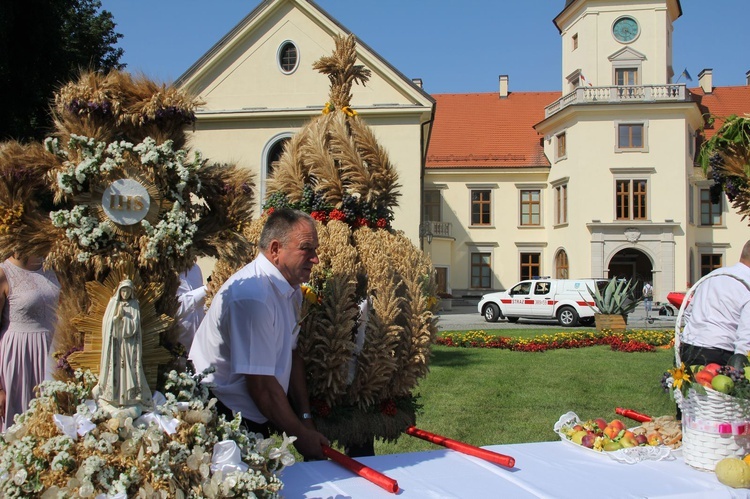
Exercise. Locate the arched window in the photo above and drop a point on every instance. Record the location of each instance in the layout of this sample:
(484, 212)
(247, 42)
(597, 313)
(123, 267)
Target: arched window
(270, 158)
(561, 265)
(274, 154)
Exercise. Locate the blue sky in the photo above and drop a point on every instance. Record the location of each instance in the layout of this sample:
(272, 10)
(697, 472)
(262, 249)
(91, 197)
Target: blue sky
(454, 46)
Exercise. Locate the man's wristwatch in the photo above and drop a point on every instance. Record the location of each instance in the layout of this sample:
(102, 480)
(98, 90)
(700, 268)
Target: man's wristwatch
(306, 415)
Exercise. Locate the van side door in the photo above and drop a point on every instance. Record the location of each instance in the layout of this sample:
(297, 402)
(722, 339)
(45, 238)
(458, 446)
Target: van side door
(519, 294)
(542, 296)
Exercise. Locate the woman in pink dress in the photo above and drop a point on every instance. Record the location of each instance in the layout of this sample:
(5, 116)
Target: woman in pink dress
(28, 313)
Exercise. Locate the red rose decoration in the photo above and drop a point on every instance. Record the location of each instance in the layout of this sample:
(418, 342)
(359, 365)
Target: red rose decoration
(382, 223)
(320, 216)
(363, 222)
(336, 215)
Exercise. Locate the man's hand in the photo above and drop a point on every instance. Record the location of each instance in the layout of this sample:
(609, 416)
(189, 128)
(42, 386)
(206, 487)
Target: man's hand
(310, 444)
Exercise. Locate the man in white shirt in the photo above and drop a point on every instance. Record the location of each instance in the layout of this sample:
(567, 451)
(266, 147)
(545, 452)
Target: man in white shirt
(719, 315)
(191, 298)
(250, 335)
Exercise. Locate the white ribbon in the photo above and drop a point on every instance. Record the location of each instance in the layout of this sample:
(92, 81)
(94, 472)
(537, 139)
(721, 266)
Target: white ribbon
(73, 426)
(227, 457)
(166, 423)
(121, 495)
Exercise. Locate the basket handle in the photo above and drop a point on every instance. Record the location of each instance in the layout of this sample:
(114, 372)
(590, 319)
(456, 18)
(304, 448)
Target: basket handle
(683, 307)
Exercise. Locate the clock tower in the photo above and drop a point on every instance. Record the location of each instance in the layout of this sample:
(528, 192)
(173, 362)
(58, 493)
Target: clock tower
(615, 42)
(621, 141)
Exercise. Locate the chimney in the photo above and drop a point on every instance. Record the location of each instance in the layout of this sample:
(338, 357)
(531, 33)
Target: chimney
(706, 80)
(747, 77)
(503, 86)
(417, 82)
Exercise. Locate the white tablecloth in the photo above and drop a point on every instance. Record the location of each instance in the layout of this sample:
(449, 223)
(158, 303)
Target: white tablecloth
(553, 470)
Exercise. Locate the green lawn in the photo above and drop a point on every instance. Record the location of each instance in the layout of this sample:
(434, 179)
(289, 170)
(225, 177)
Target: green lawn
(492, 396)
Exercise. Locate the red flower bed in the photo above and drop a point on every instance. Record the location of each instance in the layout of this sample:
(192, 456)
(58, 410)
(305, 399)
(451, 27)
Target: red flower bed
(633, 341)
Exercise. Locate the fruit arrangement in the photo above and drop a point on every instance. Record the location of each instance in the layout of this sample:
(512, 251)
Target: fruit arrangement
(601, 435)
(732, 379)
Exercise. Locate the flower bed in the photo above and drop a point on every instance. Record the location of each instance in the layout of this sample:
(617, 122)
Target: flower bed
(629, 341)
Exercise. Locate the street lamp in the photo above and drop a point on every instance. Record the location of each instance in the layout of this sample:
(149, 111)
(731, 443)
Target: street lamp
(425, 230)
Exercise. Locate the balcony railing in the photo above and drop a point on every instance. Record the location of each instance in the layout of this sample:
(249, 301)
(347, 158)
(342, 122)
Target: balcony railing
(438, 229)
(676, 92)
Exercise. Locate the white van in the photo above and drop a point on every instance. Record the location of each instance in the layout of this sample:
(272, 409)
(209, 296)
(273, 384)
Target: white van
(567, 300)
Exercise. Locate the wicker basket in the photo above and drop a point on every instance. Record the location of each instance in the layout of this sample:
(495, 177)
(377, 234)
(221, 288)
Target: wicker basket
(714, 425)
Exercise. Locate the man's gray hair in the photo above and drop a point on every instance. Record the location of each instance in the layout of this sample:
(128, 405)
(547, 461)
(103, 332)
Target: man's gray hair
(280, 224)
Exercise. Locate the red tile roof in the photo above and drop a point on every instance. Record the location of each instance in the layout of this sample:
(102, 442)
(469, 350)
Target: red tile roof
(485, 131)
(721, 103)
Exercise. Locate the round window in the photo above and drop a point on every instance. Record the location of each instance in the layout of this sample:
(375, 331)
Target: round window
(288, 57)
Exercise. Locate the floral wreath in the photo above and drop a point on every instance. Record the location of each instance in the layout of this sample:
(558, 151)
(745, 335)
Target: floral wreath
(169, 176)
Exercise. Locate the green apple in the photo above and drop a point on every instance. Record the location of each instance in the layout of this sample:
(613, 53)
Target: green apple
(747, 372)
(696, 367)
(722, 383)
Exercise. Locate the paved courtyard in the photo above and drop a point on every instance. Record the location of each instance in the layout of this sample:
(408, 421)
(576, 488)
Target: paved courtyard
(466, 317)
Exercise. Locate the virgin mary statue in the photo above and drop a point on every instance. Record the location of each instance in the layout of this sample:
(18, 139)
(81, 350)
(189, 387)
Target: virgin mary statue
(122, 387)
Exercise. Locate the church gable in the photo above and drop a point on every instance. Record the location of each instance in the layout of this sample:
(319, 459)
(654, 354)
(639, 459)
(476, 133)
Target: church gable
(244, 71)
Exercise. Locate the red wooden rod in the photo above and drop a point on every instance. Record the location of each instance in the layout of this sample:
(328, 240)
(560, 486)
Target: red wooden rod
(487, 455)
(370, 474)
(630, 413)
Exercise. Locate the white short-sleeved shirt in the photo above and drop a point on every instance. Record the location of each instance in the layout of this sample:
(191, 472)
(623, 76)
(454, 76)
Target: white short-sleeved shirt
(251, 327)
(191, 299)
(719, 311)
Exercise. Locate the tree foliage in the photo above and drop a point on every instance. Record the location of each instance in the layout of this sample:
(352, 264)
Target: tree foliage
(44, 44)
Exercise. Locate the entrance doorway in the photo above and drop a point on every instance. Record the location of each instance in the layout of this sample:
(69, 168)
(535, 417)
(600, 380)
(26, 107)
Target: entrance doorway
(631, 264)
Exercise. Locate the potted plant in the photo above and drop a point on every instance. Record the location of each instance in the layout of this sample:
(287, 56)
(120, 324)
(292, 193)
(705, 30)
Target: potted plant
(613, 304)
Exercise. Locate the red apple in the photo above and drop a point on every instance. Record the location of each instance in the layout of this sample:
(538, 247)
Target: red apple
(713, 368)
(588, 440)
(641, 439)
(704, 377)
(601, 423)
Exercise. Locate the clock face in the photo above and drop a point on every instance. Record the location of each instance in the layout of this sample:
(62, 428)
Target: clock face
(625, 29)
